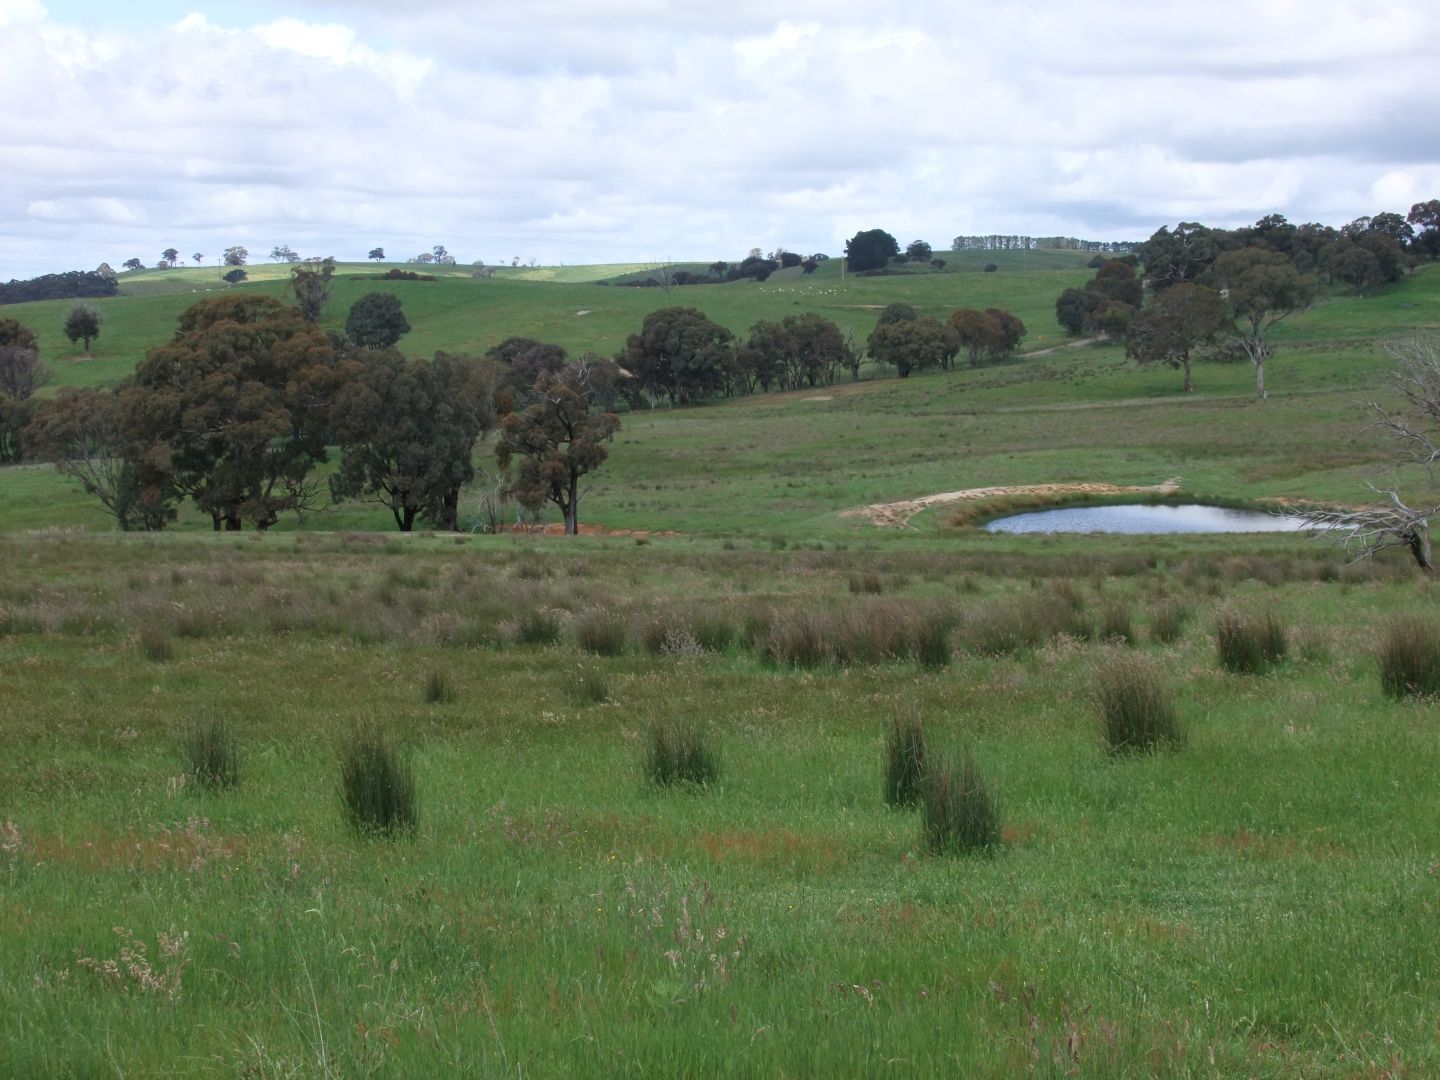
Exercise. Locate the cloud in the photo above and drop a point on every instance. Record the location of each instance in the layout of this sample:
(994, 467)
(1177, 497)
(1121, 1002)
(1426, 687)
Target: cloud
(625, 129)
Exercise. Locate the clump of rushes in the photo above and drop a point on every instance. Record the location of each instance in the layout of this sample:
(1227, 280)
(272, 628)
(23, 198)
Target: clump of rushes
(1136, 711)
(1167, 621)
(1250, 645)
(904, 761)
(156, 645)
(213, 755)
(1116, 623)
(679, 752)
(1409, 657)
(378, 793)
(439, 690)
(538, 627)
(587, 686)
(958, 814)
(601, 632)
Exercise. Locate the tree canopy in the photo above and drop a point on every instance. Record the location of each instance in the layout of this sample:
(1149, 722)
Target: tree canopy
(870, 249)
(376, 321)
(679, 352)
(1178, 321)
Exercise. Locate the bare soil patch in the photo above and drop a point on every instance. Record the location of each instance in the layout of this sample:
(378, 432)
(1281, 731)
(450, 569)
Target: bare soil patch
(898, 514)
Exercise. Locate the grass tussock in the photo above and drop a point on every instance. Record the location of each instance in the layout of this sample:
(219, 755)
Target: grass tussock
(1137, 713)
(958, 813)
(212, 755)
(904, 761)
(680, 752)
(587, 685)
(439, 689)
(1117, 623)
(601, 632)
(1167, 621)
(155, 644)
(378, 791)
(1408, 657)
(1250, 644)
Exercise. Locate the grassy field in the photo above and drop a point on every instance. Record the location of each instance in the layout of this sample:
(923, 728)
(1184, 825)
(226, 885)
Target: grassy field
(1258, 900)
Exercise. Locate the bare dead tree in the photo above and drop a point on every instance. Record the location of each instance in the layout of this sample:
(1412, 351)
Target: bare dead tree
(1413, 429)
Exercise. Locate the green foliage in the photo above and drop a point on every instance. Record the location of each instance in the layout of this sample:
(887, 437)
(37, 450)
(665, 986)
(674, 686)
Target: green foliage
(310, 283)
(904, 761)
(1250, 644)
(212, 754)
(679, 752)
(958, 813)
(376, 321)
(82, 323)
(378, 791)
(1134, 702)
(870, 249)
(1408, 657)
(680, 353)
(913, 344)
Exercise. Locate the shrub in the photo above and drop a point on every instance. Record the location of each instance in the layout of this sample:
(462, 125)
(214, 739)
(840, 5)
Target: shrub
(1250, 645)
(1136, 712)
(957, 812)
(156, 645)
(213, 755)
(1409, 657)
(904, 761)
(377, 785)
(679, 752)
(1167, 621)
(601, 632)
(439, 690)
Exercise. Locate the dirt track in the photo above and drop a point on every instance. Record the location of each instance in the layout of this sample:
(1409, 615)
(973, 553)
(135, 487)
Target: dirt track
(898, 514)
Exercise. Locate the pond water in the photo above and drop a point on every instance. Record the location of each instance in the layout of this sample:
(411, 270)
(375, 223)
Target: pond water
(1138, 518)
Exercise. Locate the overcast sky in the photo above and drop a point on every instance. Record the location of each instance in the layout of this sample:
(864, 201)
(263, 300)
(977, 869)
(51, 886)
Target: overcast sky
(635, 130)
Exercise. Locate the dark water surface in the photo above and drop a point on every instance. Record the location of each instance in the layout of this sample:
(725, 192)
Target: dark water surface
(1138, 518)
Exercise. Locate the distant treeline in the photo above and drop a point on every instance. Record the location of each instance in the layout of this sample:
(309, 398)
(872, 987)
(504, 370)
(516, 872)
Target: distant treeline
(71, 285)
(996, 242)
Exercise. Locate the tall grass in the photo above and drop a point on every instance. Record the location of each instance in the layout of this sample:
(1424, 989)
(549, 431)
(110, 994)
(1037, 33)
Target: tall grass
(1136, 710)
(212, 754)
(958, 813)
(1250, 644)
(1408, 657)
(378, 791)
(680, 752)
(904, 761)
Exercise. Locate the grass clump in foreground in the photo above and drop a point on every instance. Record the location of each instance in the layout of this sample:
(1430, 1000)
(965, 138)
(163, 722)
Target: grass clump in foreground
(155, 644)
(439, 690)
(1136, 711)
(1250, 645)
(680, 752)
(213, 754)
(1409, 657)
(958, 814)
(904, 761)
(378, 793)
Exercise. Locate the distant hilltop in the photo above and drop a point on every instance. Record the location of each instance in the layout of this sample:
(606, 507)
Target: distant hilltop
(997, 242)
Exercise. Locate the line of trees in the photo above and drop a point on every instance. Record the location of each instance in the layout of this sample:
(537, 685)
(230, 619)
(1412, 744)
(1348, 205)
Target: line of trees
(236, 412)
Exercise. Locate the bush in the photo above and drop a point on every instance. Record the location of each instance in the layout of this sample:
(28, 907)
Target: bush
(957, 812)
(904, 761)
(377, 785)
(679, 752)
(601, 632)
(1409, 657)
(1167, 621)
(1136, 712)
(439, 690)
(1250, 645)
(213, 755)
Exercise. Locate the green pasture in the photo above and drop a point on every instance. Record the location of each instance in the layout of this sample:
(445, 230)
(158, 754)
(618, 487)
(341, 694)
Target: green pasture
(1259, 902)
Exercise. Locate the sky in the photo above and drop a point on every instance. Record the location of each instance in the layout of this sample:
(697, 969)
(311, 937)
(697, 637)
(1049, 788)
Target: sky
(581, 131)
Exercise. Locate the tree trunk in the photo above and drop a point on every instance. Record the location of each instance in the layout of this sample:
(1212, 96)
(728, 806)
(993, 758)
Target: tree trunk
(216, 520)
(1260, 379)
(1419, 540)
(450, 511)
(572, 509)
(405, 518)
(233, 521)
(1185, 363)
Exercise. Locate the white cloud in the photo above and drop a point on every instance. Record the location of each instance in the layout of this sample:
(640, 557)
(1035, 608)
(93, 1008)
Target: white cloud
(621, 129)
